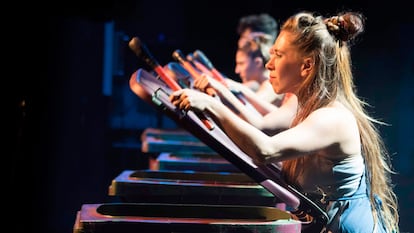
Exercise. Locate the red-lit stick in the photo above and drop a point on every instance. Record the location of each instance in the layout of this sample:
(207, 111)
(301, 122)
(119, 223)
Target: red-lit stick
(179, 56)
(202, 58)
(142, 52)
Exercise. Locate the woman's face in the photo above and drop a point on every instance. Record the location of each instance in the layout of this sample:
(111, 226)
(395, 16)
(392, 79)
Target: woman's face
(246, 67)
(285, 65)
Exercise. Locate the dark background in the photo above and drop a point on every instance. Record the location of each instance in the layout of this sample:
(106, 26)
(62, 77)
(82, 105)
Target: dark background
(73, 136)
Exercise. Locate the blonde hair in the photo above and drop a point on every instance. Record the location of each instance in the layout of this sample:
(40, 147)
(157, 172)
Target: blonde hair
(327, 40)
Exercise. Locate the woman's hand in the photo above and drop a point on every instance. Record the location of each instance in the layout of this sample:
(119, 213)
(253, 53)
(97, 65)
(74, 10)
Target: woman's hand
(202, 83)
(209, 85)
(189, 99)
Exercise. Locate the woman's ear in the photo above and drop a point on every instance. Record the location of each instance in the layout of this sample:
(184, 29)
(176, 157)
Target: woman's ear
(307, 66)
(258, 61)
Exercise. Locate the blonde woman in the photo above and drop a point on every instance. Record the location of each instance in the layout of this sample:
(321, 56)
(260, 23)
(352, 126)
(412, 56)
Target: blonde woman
(330, 147)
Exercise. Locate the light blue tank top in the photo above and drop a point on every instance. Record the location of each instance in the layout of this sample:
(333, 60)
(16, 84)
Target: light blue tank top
(342, 189)
(331, 178)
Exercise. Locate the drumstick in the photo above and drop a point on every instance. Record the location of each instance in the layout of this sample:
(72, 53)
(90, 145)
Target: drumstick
(140, 49)
(179, 56)
(198, 65)
(181, 75)
(142, 52)
(202, 58)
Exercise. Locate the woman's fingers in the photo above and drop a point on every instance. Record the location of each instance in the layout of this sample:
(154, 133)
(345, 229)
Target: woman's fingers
(180, 99)
(201, 83)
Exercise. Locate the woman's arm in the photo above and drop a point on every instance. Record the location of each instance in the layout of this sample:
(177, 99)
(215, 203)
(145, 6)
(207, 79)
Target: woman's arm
(240, 106)
(263, 102)
(327, 130)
